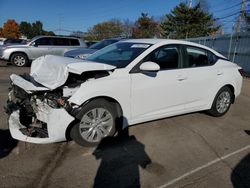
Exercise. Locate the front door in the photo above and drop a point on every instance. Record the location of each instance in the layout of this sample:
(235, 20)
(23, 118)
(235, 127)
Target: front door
(159, 94)
(42, 46)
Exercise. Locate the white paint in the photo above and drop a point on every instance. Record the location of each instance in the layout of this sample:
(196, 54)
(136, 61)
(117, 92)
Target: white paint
(52, 71)
(142, 96)
(79, 68)
(149, 66)
(26, 85)
(204, 166)
(57, 122)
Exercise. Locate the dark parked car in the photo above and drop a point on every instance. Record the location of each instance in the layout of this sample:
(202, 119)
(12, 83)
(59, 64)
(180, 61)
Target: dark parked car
(83, 53)
(89, 43)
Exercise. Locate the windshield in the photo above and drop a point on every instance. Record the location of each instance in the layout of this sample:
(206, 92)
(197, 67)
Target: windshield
(102, 44)
(119, 54)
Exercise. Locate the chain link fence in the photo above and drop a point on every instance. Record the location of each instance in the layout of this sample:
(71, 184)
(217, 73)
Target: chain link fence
(236, 47)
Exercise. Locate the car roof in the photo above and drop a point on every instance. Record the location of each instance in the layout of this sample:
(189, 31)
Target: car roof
(55, 36)
(117, 39)
(172, 41)
(148, 41)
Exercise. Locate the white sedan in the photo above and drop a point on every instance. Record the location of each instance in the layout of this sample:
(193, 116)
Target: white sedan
(126, 83)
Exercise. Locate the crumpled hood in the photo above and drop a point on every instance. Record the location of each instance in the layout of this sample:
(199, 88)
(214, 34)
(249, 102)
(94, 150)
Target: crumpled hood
(52, 71)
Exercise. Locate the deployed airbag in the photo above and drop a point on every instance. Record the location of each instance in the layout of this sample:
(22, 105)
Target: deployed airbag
(52, 71)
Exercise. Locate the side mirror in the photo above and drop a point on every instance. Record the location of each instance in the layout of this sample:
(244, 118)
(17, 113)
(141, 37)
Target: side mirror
(33, 44)
(149, 66)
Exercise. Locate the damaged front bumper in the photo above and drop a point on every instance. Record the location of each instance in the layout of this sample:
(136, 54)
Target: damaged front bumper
(57, 121)
(32, 119)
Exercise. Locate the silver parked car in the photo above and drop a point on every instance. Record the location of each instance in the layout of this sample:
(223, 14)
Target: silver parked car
(22, 55)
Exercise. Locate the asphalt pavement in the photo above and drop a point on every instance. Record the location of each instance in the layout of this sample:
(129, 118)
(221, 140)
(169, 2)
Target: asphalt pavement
(192, 150)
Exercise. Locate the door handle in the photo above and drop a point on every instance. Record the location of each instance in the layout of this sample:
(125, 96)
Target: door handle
(219, 72)
(181, 78)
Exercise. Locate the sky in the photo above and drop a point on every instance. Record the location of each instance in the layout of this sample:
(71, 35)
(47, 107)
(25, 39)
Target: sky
(74, 15)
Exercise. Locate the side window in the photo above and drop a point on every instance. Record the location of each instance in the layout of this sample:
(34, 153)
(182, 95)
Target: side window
(45, 41)
(212, 58)
(61, 42)
(167, 57)
(74, 42)
(197, 57)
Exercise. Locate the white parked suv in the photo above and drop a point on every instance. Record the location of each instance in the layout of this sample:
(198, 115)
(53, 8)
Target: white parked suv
(126, 83)
(22, 55)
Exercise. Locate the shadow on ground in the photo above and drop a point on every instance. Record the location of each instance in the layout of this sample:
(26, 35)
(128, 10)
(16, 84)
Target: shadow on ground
(7, 143)
(120, 158)
(248, 132)
(240, 176)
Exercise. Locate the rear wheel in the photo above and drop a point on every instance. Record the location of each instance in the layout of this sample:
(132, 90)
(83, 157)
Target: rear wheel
(222, 102)
(97, 121)
(19, 60)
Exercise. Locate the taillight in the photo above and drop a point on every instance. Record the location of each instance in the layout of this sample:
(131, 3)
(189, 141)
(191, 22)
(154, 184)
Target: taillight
(242, 72)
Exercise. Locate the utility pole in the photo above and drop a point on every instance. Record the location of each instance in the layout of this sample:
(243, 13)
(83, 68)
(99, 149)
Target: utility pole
(60, 19)
(190, 3)
(241, 16)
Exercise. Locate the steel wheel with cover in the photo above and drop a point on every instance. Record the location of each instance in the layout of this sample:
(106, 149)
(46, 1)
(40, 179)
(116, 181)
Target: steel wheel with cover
(97, 120)
(19, 60)
(222, 102)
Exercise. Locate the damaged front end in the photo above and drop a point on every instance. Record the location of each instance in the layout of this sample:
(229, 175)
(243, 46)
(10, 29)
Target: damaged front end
(39, 114)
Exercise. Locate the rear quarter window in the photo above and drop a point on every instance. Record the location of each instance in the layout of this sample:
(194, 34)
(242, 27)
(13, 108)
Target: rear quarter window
(74, 42)
(198, 57)
(61, 42)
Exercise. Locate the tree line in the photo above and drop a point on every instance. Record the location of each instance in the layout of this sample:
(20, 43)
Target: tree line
(182, 22)
(11, 29)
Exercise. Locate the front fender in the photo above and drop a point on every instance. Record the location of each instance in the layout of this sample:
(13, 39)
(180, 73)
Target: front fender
(9, 51)
(117, 89)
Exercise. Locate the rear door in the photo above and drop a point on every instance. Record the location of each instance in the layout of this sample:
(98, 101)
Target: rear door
(202, 76)
(62, 45)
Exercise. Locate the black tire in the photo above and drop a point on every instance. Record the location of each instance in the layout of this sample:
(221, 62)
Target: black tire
(98, 103)
(19, 60)
(214, 110)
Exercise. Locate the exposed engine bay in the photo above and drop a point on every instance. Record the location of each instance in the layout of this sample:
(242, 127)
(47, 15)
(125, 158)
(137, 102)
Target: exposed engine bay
(32, 106)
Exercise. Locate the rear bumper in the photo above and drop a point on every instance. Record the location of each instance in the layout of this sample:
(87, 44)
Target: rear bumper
(57, 122)
(238, 86)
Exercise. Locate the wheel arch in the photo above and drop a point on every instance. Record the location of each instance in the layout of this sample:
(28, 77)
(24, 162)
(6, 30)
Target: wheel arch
(212, 97)
(18, 52)
(231, 87)
(107, 98)
(212, 110)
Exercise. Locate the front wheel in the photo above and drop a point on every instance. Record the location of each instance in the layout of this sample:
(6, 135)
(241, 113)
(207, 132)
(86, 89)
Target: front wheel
(222, 102)
(97, 120)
